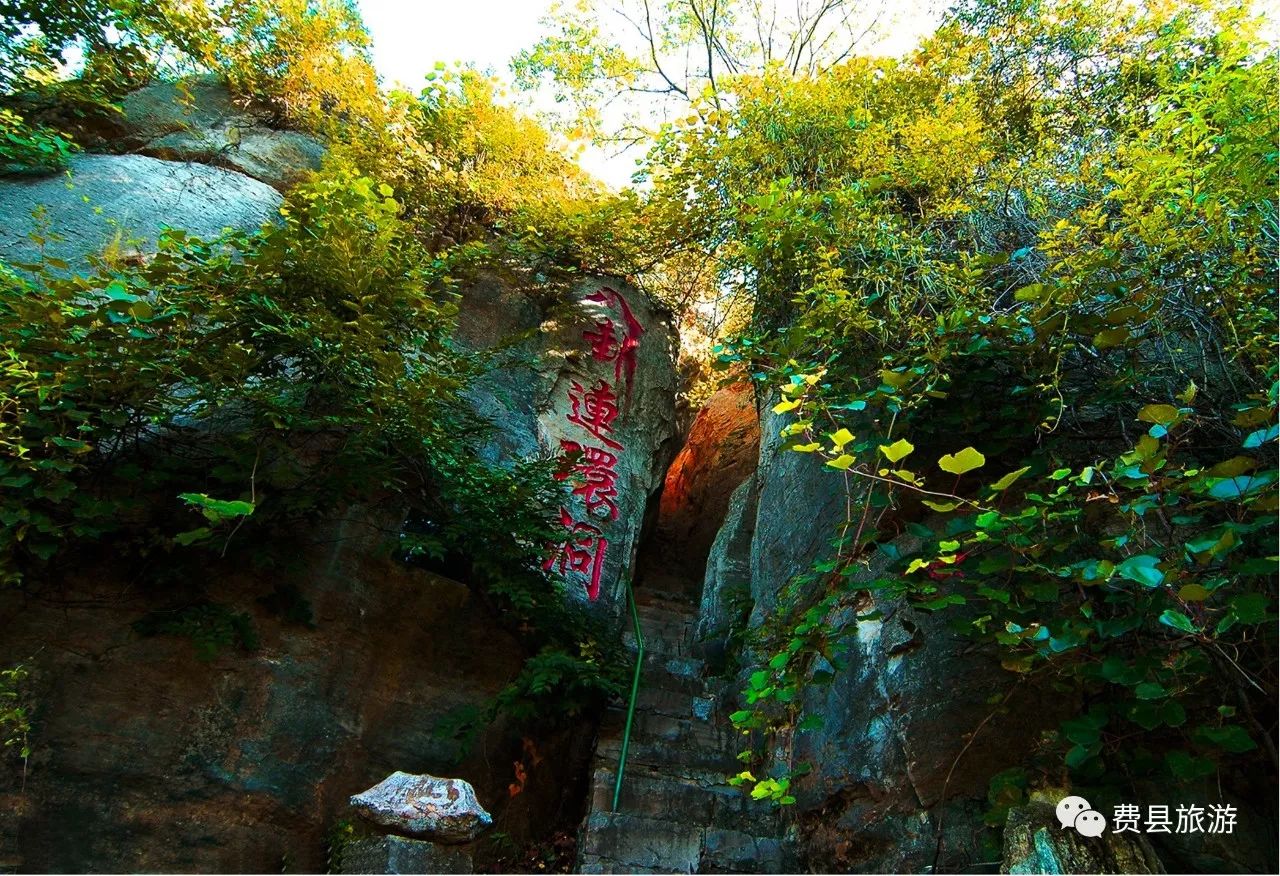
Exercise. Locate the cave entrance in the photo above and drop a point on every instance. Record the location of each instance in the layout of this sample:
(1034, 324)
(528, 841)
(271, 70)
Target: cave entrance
(719, 453)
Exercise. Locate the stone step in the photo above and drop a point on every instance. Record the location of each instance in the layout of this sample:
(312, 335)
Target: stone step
(704, 798)
(617, 842)
(656, 622)
(661, 754)
(670, 641)
(679, 703)
(734, 851)
(655, 703)
(651, 796)
(623, 842)
(668, 599)
(653, 727)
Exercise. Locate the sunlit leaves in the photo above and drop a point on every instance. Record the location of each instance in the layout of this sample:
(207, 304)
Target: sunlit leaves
(962, 461)
(1008, 480)
(840, 438)
(898, 450)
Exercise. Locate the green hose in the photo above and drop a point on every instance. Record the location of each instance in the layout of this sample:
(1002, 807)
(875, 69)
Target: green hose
(635, 690)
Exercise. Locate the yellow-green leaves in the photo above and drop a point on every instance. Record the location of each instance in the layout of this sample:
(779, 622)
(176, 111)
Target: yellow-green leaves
(963, 461)
(785, 405)
(807, 448)
(841, 462)
(1007, 481)
(897, 450)
(1112, 337)
(1160, 415)
(894, 379)
(840, 438)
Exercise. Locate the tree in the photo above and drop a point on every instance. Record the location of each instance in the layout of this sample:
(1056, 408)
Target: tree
(667, 56)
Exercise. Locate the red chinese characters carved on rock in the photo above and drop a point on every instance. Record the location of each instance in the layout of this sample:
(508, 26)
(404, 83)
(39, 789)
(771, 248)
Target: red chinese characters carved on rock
(582, 551)
(594, 469)
(608, 343)
(594, 409)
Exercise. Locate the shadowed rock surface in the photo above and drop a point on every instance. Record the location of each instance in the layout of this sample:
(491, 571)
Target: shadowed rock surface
(1034, 842)
(395, 854)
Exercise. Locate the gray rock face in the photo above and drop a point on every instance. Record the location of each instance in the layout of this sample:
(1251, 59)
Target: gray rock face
(1034, 842)
(440, 809)
(197, 120)
(125, 200)
(800, 506)
(893, 764)
(592, 377)
(394, 854)
(728, 576)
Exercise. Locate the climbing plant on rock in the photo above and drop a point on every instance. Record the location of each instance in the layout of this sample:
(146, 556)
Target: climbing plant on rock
(1042, 341)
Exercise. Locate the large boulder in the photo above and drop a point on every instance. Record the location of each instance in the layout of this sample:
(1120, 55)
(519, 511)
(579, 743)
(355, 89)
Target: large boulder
(589, 375)
(445, 810)
(124, 201)
(197, 120)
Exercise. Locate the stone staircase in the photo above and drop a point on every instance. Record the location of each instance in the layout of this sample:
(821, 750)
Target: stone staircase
(676, 814)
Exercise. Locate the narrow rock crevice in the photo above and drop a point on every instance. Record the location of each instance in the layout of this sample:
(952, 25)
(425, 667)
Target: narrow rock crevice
(676, 811)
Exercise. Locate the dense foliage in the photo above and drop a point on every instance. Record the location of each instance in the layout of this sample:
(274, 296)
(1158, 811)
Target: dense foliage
(1016, 292)
(170, 413)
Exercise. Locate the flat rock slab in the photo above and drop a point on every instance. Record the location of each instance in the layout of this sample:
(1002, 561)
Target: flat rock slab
(126, 201)
(445, 810)
(395, 854)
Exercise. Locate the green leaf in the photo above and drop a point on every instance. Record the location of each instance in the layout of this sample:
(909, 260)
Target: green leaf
(217, 510)
(1149, 690)
(1249, 608)
(116, 291)
(1142, 569)
(1192, 593)
(1262, 436)
(963, 461)
(1177, 620)
(1112, 337)
(894, 379)
(1188, 767)
(1161, 415)
(1007, 481)
(897, 450)
(1229, 737)
(1237, 487)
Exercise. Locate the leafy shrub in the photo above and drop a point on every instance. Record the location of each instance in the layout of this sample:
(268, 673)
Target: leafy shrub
(1034, 326)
